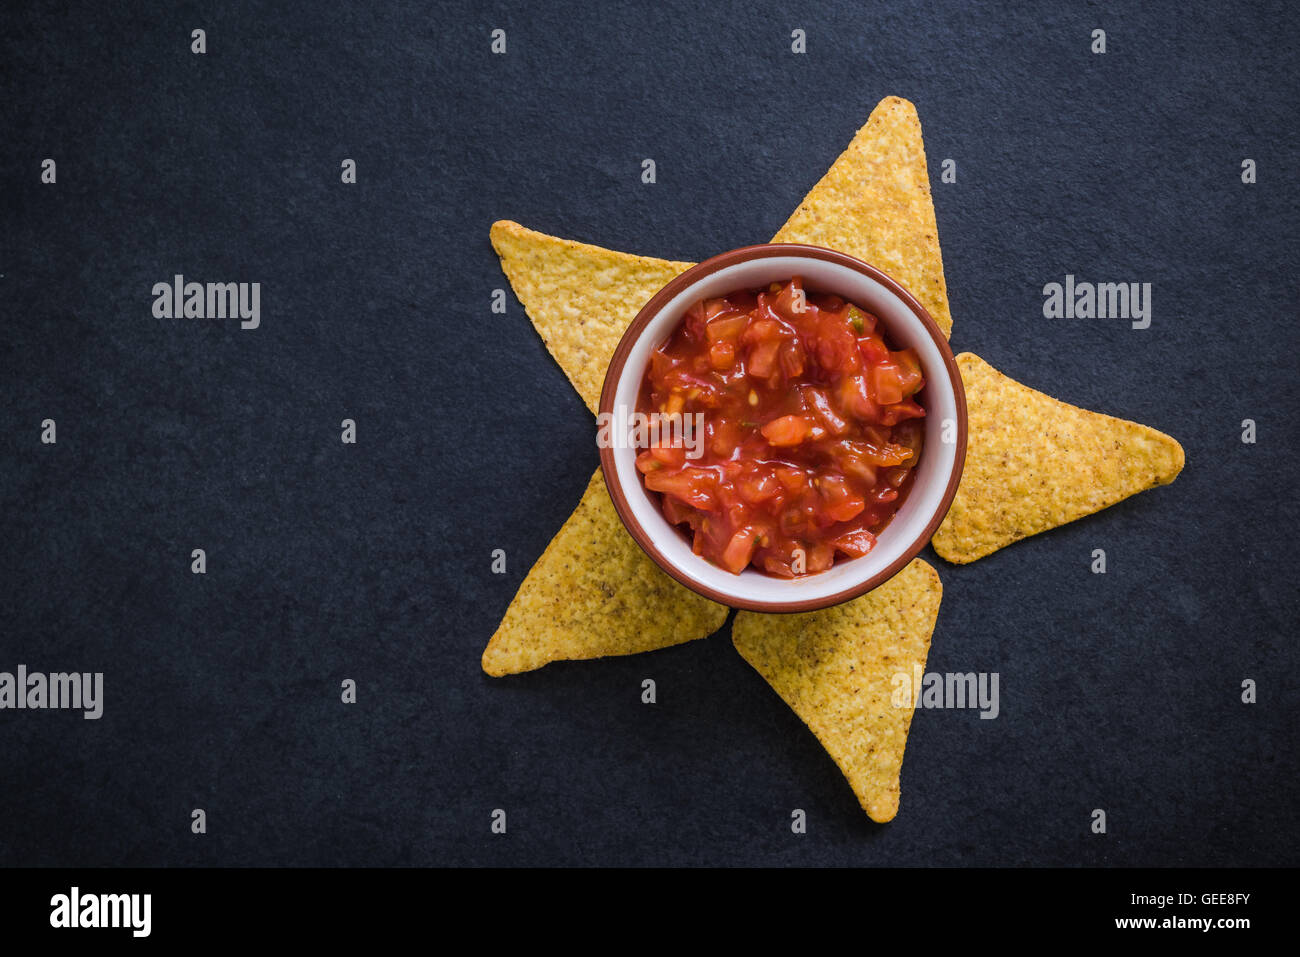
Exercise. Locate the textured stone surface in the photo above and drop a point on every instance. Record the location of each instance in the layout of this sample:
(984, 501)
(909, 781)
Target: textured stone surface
(372, 561)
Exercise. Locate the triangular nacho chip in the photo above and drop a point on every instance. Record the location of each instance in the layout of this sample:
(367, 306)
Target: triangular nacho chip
(1034, 462)
(595, 593)
(875, 204)
(839, 669)
(580, 298)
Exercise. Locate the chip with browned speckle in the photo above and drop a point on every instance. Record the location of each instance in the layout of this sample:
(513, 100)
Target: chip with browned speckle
(593, 593)
(1034, 462)
(874, 203)
(580, 298)
(839, 669)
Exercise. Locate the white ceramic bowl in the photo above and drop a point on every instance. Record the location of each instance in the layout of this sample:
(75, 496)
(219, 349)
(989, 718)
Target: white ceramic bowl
(906, 325)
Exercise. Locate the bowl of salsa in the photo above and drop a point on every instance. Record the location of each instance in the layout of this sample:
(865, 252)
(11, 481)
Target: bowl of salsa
(782, 428)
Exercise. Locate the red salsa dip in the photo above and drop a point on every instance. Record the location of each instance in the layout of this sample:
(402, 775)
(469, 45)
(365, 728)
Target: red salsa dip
(811, 429)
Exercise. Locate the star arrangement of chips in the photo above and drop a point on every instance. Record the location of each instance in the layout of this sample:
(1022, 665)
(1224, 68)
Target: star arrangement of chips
(1032, 463)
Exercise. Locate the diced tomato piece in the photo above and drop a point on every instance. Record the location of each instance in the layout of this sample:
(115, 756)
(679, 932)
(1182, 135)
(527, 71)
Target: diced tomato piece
(887, 383)
(820, 404)
(855, 398)
(775, 565)
(819, 557)
(854, 460)
(792, 358)
(839, 502)
(736, 556)
(715, 307)
(794, 480)
(888, 454)
(722, 354)
(786, 431)
(791, 302)
(645, 462)
(872, 349)
(762, 329)
(856, 543)
(836, 349)
(669, 456)
(758, 486)
(727, 325)
(693, 486)
(844, 510)
(762, 358)
(909, 368)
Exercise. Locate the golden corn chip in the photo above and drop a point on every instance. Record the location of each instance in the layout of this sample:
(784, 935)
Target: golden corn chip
(595, 593)
(837, 668)
(1034, 462)
(875, 204)
(580, 298)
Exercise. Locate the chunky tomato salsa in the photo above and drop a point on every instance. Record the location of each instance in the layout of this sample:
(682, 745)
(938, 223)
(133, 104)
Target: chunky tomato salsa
(810, 429)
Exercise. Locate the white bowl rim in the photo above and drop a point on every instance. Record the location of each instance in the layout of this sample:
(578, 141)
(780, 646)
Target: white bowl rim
(908, 324)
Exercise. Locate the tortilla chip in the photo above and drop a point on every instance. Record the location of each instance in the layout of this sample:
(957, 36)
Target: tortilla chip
(580, 298)
(875, 204)
(595, 593)
(837, 667)
(1033, 463)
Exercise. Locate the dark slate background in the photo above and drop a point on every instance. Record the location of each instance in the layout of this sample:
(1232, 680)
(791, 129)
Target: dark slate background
(372, 561)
